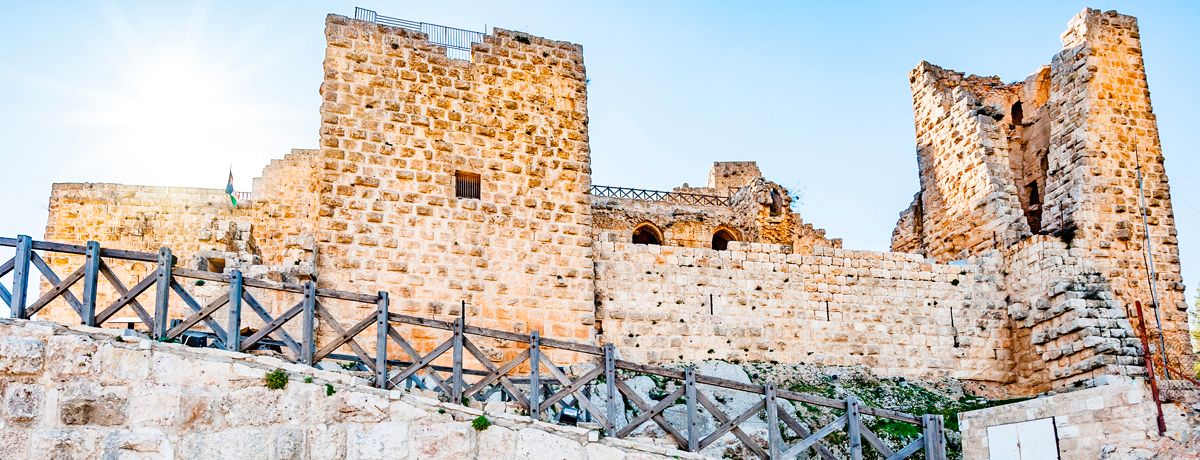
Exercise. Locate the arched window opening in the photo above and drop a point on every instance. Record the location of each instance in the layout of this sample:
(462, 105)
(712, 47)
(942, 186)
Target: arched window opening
(721, 239)
(1017, 113)
(647, 234)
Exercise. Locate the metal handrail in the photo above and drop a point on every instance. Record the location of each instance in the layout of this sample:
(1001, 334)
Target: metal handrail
(660, 196)
(457, 41)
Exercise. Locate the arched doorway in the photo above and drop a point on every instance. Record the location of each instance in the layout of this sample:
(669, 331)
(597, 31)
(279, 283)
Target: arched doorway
(647, 233)
(721, 239)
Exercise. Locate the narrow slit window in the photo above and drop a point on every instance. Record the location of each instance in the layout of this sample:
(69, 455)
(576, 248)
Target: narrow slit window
(466, 185)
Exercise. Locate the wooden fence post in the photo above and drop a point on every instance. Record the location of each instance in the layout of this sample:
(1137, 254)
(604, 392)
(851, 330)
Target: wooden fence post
(91, 274)
(381, 340)
(935, 444)
(853, 428)
(693, 432)
(162, 293)
(774, 438)
(535, 381)
(456, 386)
(233, 333)
(20, 291)
(308, 335)
(610, 383)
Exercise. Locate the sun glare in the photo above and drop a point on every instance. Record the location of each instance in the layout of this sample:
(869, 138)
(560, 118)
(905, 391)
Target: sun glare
(171, 99)
(177, 100)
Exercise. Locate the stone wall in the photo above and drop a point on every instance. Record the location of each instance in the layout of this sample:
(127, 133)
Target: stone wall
(894, 313)
(400, 119)
(1068, 328)
(758, 211)
(85, 394)
(1113, 420)
(268, 236)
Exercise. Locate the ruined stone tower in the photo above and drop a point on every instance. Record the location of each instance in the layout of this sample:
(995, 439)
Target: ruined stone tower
(1044, 171)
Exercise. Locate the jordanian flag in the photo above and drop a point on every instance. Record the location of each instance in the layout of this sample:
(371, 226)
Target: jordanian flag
(229, 190)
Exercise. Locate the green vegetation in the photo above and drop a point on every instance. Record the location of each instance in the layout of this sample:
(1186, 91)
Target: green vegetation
(481, 423)
(308, 380)
(946, 398)
(329, 389)
(276, 379)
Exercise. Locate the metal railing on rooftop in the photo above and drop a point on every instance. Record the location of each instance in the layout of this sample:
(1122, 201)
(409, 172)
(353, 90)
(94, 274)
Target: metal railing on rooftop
(457, 41)
(660, 195)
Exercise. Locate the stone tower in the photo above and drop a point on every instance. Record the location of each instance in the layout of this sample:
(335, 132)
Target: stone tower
(402, 124)
(1045, 172)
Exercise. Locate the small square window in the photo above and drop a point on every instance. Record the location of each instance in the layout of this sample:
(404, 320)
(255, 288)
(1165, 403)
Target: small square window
(466, 185)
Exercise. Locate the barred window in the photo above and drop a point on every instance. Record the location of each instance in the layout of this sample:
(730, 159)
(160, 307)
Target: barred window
(466, 185)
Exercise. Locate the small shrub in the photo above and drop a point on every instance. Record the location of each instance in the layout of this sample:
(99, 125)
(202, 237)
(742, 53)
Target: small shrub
(329, 389)
(276, 379)
(441, 410)
(481, 423)
(199, 282)
(308, 380)
(349, 365)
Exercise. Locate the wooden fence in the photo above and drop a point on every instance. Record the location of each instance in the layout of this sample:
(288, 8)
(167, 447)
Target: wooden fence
(528, 376)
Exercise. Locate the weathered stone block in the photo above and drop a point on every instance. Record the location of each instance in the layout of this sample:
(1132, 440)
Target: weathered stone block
(89, 403)
(23, 401)
(446, 440)
(19, 355)
(142, 443)
(70, 443)
(376, 440)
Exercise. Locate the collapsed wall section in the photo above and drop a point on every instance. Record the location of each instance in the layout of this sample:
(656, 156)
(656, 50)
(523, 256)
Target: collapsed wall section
(403, 126)
(894, 313)
(967, 200)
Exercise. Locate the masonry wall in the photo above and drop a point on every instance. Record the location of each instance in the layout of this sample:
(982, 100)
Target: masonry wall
(894, 313)
(1113, 420)
(1068, 327)
(84, 394)
(399, 119)
(188, 220)
(268, 236)
(757, 210)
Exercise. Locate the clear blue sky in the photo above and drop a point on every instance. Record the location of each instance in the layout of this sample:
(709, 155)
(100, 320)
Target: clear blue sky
(173, 93)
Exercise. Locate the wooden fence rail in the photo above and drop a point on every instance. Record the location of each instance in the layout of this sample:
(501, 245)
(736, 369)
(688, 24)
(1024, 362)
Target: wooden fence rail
(457, 367)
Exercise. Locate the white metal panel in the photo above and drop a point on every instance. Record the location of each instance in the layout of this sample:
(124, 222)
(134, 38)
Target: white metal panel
(1030, 440)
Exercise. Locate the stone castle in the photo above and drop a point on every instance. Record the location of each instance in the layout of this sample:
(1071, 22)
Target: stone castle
(459, 183)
